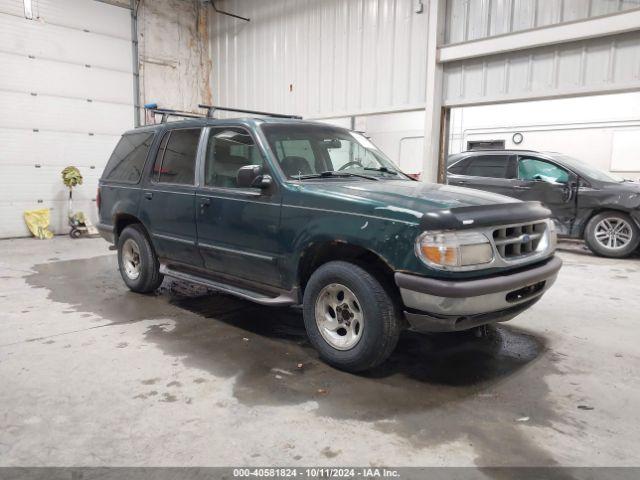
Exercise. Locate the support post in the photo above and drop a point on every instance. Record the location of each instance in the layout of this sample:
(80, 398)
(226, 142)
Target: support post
(434, 116)
(135, 65)
(443, 144)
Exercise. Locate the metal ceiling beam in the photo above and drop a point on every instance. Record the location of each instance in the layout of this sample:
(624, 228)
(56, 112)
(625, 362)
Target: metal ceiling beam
(552, 35)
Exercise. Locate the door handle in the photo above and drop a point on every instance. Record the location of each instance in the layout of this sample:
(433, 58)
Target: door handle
(204, 203)
(519, 187)
(148, 195)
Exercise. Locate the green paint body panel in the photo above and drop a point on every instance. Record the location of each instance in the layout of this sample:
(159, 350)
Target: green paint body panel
(261, 235)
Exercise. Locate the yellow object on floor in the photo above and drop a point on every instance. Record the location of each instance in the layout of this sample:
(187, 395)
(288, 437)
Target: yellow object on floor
(38, 223)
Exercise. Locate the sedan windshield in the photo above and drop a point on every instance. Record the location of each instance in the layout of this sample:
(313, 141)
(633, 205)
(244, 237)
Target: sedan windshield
(585, 169)
(310, 151)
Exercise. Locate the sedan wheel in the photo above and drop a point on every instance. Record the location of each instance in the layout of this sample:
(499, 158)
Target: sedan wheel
(612, 234)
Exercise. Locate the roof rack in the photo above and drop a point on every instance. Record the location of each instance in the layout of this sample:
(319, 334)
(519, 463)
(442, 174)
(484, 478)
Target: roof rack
(167, 112)
(212, 108)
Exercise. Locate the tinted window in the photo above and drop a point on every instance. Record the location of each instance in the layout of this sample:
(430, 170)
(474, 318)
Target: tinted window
(586, 169)
(534, 169)
(494, 166)
(127, 160)
(458, 167)
(158, 161)
(179, 157)
(228, 149)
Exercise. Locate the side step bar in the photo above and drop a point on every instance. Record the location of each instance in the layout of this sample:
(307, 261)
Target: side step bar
(282, 300)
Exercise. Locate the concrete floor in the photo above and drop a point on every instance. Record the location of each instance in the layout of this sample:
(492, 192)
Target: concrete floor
(92, 374)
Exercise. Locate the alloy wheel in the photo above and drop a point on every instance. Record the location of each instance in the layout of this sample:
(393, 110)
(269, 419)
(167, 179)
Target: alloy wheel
(131, 259)
(339, 316)
(613, 233)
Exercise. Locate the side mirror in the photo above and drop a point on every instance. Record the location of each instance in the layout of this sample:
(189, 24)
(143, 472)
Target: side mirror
(250, 176)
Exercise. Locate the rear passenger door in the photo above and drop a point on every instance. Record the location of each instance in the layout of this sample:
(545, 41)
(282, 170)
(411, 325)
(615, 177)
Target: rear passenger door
(491, 172)
(168, 199)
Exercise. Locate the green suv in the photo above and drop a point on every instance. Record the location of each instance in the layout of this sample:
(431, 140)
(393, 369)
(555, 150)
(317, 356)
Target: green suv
(289, 212)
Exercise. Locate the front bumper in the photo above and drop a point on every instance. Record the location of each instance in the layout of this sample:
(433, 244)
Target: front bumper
(434, 305)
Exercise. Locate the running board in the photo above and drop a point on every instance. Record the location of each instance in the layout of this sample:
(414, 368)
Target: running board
(282, 300)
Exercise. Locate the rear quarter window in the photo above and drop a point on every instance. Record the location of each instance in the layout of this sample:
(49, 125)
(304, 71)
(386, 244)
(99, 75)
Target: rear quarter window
(128, 158)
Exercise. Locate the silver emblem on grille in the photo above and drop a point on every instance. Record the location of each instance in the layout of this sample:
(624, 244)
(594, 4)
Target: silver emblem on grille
(526, 238)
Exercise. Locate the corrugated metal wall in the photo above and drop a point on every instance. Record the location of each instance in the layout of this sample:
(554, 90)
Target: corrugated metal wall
(606, 64)
(320, 57)
(474, 19)
(66, 95)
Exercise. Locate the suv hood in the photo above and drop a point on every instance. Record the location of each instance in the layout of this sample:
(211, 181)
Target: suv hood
(417, 196)
(417, 202)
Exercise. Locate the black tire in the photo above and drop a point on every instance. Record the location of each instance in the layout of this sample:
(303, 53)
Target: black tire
(599, 248)
(380, 313)
(75, 233)
(149, 277)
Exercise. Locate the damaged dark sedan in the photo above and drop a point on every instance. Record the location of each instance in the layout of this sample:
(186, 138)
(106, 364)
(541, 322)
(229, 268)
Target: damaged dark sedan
(586, 202)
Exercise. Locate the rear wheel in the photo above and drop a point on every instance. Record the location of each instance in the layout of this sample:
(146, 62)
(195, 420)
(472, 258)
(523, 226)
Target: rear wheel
(350, 318)
(139, 266)
(612, 234)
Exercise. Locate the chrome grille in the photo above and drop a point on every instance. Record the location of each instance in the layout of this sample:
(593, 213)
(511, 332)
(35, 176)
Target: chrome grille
(517, 241)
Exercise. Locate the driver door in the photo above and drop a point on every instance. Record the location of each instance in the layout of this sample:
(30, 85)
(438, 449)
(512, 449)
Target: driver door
(544, 181)
(238, 228)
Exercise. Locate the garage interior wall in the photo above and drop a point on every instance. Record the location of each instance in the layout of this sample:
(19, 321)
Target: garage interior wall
(329, 58)
(363, 63)
(611, 123)
(174, 53)
(67, 91)
(473, 20)
(66, 95)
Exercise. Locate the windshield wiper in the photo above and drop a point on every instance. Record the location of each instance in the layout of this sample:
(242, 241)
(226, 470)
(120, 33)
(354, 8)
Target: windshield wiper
(332, 173)
(382, 169)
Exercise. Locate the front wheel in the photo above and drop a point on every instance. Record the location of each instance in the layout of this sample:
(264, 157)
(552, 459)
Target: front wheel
(137, 260)
(351, 319)
(612, 234)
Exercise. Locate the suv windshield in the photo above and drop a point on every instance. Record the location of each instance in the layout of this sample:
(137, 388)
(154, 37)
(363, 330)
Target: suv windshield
(306, 151)
(585, 169)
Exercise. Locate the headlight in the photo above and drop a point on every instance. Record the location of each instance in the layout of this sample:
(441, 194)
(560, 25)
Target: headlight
(454, 250)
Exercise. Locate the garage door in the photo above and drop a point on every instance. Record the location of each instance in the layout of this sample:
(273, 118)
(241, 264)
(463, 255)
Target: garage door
(66, 94)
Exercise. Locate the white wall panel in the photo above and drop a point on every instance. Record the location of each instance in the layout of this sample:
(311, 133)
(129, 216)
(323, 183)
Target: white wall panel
(606, 64)
(22, 110)
(11, 212)
(42, 40)
(66, 94)
(94, 16)
(320, 57)
(49, 77)
(54, 149)
(475, 19)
